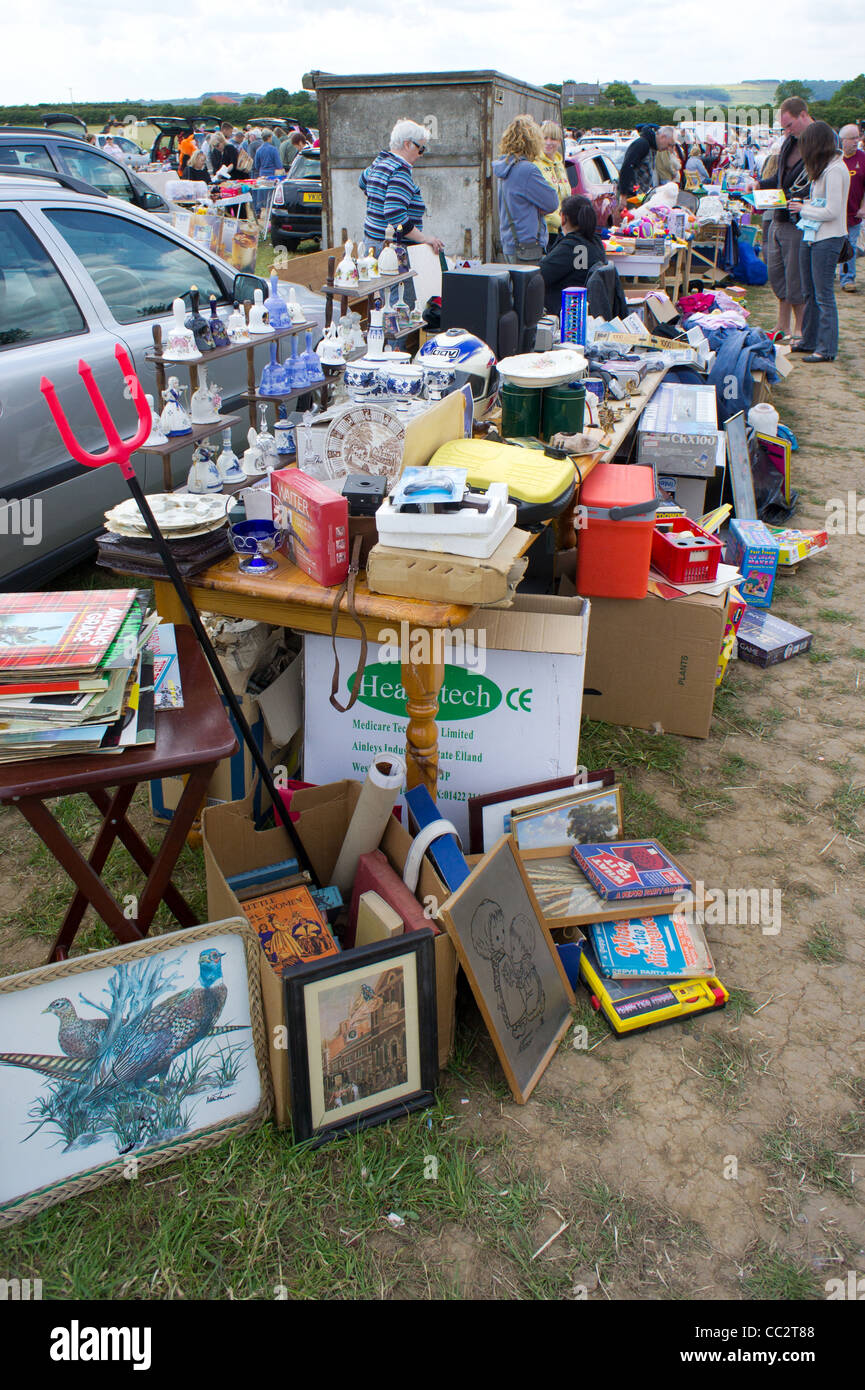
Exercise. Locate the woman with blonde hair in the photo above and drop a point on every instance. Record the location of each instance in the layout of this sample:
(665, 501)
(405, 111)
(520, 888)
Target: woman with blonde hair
(552, 166)
(525, 196)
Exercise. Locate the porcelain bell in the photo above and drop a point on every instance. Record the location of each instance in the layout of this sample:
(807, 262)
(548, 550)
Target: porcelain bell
(179, 341)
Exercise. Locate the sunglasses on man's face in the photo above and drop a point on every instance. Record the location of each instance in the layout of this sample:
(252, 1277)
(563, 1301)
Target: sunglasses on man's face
(420, 148)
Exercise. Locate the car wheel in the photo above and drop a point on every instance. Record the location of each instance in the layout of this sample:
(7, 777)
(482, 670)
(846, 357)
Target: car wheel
(290, 243)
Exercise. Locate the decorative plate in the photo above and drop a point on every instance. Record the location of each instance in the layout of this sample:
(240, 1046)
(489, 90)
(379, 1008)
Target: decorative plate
(174, 511)
(364, 439)
(542, 368)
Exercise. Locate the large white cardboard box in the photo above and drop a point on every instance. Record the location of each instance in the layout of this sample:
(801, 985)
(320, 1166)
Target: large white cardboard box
(509, 707)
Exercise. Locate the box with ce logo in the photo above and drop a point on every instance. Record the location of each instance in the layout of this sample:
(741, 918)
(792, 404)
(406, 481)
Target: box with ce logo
(509, 706)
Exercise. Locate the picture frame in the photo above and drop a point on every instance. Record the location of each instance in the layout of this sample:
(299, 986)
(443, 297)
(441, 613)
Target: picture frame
(741, 477)
(778, 453)
(78, 1071)
(362, 1036)
(566, 898)
(489, 815)
(512, 965)
(569, 820)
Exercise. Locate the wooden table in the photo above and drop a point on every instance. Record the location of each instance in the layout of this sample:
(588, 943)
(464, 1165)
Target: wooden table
(289, 598)
(670, 271)
(191, 742)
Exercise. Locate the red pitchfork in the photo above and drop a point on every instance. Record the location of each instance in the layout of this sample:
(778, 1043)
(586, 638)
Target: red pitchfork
(120, 451)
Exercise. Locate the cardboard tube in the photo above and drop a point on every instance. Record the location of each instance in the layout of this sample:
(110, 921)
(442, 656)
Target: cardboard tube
(383, 784)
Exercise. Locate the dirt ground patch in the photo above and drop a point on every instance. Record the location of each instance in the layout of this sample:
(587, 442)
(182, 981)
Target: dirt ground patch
(721, 1158)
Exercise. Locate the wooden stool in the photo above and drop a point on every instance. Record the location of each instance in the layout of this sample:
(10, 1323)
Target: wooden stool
(190, 741)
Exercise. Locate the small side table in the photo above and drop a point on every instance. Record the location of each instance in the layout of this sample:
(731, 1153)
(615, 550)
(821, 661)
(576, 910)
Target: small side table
(189, 742)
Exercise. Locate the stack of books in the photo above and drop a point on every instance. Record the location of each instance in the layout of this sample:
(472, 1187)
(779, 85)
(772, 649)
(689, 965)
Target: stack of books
(75, 675)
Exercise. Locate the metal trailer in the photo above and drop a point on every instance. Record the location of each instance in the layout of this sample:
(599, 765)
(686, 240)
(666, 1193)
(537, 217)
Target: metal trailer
(465, 113)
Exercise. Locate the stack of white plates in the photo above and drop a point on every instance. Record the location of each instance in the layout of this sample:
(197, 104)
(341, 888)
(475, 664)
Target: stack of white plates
(177, 514)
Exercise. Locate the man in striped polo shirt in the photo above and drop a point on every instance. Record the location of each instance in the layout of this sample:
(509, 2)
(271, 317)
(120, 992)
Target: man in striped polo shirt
(392, 196)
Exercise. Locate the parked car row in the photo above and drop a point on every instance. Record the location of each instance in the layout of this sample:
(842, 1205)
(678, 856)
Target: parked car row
(34, 147)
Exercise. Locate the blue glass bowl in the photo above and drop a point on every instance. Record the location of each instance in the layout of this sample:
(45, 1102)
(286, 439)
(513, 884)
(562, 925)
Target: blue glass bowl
(254, 542)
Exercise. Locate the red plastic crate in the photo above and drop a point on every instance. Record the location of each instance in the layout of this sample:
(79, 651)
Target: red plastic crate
(683, 566)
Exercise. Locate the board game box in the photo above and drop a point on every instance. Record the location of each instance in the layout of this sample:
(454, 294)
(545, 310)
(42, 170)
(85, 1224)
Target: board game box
(630, 869)
(646, 947)
(631, 1004)
(764, 640)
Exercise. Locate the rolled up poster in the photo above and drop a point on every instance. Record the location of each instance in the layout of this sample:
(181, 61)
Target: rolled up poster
(383, 784)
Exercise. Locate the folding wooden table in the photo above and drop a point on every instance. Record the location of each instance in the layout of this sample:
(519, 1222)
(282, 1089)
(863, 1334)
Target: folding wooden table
(189, 742)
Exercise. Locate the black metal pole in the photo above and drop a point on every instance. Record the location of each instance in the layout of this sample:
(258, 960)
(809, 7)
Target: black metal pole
(222, 680)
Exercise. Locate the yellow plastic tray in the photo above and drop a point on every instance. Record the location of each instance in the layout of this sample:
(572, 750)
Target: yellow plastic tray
(530, 475)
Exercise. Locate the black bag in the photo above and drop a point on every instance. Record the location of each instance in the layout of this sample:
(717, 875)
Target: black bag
(846, 253)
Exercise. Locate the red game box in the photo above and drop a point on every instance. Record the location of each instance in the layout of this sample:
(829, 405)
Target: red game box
(315, 519)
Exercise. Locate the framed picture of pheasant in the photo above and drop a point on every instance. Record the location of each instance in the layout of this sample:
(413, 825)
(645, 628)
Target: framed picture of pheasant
(362, 1036)
(114, 1062)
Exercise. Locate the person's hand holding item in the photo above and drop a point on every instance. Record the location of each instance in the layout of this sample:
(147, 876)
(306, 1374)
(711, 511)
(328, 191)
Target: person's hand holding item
(435, 243)
(795, 206)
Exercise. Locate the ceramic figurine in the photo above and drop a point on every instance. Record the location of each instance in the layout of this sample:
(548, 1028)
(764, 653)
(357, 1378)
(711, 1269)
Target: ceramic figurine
(331, 349)
(274, 377)
(277, 309)
(179, 341)
(283, 430)
(374, 271)
(388, 261)
(346, 271)
(253, 461)
(218, 330)
(228, 463)
(237, 329)
(199, 325)
(311, 362)
(296, 370)
(205, 403)
(295, 312)
(203, 475)
(265, 441)
(174, 418)
(157, 434)
(401, 309)
(258, 315)
(365, 263)
(355, 334)
(375, 332)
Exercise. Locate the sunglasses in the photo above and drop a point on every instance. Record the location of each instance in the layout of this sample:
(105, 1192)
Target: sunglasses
(420, 148)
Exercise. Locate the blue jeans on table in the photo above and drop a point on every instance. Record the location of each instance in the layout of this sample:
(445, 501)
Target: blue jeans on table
(848, 268)
(817, 262)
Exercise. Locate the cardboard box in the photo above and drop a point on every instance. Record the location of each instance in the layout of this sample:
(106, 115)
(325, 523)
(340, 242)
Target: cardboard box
(449, 578)
(753, 549)
(274, 716)
(509, 708)
(678, 431)
(653, 662)
(232, 844)
(689, 492)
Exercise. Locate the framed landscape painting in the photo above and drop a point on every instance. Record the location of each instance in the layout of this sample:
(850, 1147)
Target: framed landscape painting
(116, 1061)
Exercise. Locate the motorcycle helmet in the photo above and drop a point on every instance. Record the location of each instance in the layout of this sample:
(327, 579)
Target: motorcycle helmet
(473, 361)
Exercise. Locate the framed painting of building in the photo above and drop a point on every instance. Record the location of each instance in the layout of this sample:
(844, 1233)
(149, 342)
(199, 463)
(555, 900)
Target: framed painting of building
(362, 1036)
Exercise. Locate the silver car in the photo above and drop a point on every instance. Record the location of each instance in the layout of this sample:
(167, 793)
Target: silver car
(79, 273)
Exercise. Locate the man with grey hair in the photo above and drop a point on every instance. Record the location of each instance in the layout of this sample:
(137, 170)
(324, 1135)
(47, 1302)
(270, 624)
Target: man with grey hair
(638, 167)
(854, 158)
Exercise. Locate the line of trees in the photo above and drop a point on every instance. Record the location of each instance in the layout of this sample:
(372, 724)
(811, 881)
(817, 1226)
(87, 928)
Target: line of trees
(277, 102)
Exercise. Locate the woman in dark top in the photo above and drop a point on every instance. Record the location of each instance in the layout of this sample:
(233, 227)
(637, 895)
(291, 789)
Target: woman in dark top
(579, 248)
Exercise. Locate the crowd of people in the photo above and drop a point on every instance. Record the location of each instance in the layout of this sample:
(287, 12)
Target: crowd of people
(230, 153)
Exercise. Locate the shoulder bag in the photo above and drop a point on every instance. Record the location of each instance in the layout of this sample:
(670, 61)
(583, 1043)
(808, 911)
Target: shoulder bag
(530, 251)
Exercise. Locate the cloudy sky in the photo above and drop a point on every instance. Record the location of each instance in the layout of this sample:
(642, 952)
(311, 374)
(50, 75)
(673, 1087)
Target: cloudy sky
(159, 49)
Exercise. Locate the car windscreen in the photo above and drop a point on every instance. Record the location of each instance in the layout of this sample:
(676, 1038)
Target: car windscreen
(305, 168)
(138, 271)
